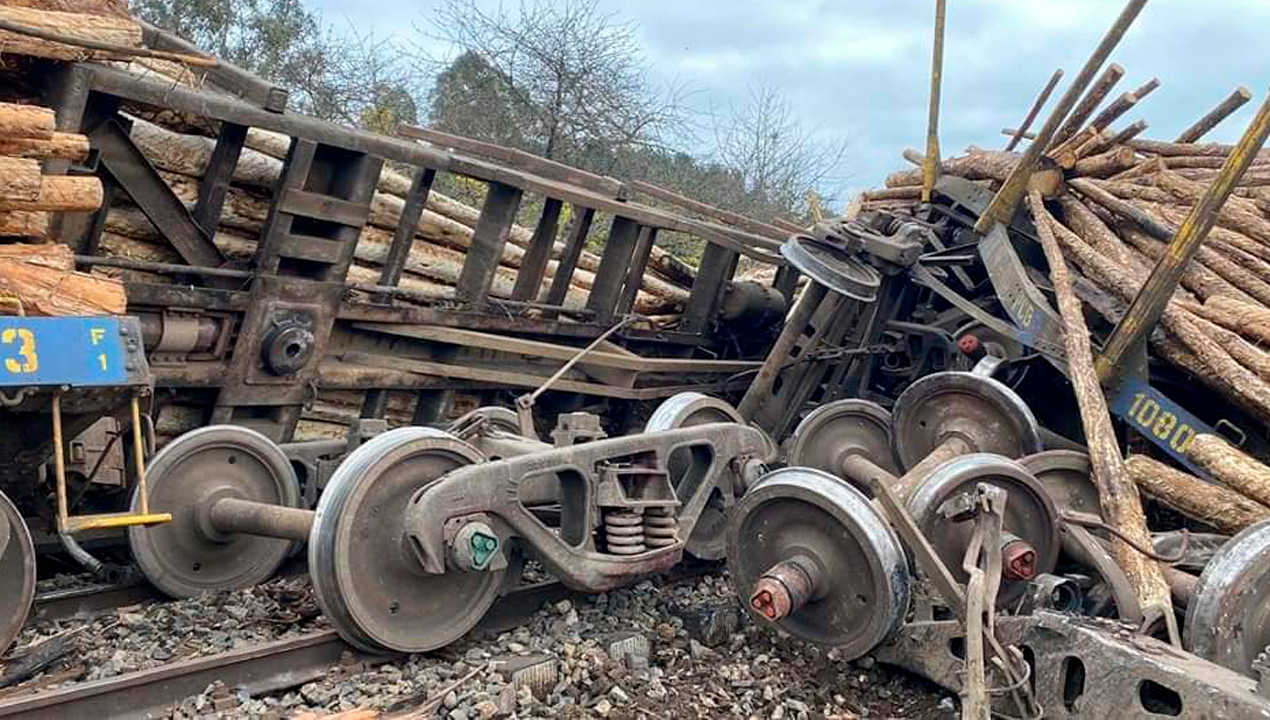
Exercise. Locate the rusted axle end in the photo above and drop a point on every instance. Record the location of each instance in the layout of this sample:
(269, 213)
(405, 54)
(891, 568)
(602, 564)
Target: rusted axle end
(1018, 560)
(784, 588)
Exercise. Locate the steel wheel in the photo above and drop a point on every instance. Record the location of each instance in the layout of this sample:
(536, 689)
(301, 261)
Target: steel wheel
(1029, 513)
(186, 557)
(708, 540)
(1065, 475)
(1228, 622)
(832, 432)
(17, 573)
(368, 583)
(864, 593)
(982, 410)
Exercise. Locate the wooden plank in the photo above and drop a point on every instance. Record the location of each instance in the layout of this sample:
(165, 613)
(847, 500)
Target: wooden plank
(638, 266)
(489, 237)
(534, 264)
(575, 242)
(218, 175)
(604, 358)
(725, 216)
(717, 266)
(311, 248)
(136, 176)
(404, 234)
(607, 287)
(226, 76)
(518, 159)
(324, 207)
(786, 282)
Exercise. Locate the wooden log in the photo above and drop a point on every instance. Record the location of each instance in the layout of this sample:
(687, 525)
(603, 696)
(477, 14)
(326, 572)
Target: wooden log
(46, 290)
(61, 193)
(1239, 214)
(1241, 350)
(1090, 102)
(26, 121)
(62, 146)
(1115, 110)
(1233, 467)
(19, 179)
(897, 193)
(118, 31)
(1017, 135)
(1211, 162)
(1064, 154)
(1115, 160)
(977, 164)
(1219, 235)
(1133, 191)
(1146, 167)
(1197, 278)
(1129, 132)
(1250, 321)
(1223, 110)
(24, 223)
(1224, 510)
(1093, 231)
(1121, 505)
(1169, 149)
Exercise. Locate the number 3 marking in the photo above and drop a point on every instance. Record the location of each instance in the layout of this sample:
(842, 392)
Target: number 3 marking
(30, 363)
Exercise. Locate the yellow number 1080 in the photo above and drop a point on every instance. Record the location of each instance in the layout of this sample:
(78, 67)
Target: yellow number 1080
(1161, 423)
(26, 350)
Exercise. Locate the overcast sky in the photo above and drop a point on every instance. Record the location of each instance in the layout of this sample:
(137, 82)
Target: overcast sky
(858, 69)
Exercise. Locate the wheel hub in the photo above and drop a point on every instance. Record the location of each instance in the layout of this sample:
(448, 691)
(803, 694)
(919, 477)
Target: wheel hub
(837, 430)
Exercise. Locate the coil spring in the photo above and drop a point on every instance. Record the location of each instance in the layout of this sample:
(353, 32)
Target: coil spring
(660, 527)
(624, 532)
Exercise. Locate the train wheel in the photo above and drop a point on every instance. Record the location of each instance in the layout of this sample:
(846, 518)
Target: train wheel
(367, 580)
(708, 540)
(17, 572)
(186, 556)
(1228, 622)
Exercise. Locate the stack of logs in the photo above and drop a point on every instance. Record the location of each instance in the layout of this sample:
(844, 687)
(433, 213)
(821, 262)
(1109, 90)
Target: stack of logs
(38, 278)
(1112, 201)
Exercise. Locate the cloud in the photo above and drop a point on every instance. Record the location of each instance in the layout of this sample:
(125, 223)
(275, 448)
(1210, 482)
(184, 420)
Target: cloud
(858, 70)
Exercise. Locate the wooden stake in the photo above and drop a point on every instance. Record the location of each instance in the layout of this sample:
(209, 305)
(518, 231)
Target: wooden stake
(930, 167)
(1089, 103)
(1223, 110)
(1121, 505)
(1231, 466)
(1226, 511)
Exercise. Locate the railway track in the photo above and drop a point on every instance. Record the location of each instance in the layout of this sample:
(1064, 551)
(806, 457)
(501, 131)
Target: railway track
(261, 669)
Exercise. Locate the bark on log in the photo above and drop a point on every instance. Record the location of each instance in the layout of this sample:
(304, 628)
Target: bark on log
(1211, 162)
(1142, 169)
(1109, 163)
(1225, 510)
(1197, 278)
(101, 28)
(1234, 468)
(1092, 230)
(1174, 214)
(1115, 110)
(48, 285)
(1089, 103)
(1065, 155)
(62, 146)
(24, 223)
(19, 179)
(977, 164)
(1250, 321)
(1169, 149)
(1032, 112)
(1120, 502)
(911, 192)
(61, 193)
(1239, 214)
(26, 121)
(1223, 110)
(1241, 350)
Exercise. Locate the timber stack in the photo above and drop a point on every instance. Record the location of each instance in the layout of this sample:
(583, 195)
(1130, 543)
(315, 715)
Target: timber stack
(1112, 200)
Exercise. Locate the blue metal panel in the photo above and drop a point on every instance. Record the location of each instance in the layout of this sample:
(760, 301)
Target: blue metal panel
(1157, 418)
(75, 351)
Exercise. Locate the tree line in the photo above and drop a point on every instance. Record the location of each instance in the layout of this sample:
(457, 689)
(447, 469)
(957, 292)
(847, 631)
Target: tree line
(567, 80)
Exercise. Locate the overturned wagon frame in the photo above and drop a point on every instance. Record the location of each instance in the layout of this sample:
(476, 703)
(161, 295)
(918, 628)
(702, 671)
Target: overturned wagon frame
(264, 339)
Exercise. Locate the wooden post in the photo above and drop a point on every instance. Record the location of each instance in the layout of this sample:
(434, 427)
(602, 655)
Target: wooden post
(618, 250)
(1223, 110)
(1006, 201)
(574, 243)
(1231, 466)
(1022, 131)
(1149, 304)
(1119, 498)
(404, 234)
(930, 167)
(488, 238)
(534, 264)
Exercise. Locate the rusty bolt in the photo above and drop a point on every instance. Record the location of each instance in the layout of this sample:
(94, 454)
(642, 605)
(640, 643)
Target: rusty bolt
(970, 346)
(1018, 560)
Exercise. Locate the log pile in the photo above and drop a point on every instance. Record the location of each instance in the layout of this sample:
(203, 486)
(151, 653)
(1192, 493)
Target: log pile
(37, 278)
(1111, 202)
